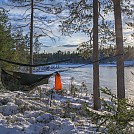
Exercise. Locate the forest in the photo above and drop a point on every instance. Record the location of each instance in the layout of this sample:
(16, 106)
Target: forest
(106, 56)
(21, 41)
(15, 43)
(47, 103)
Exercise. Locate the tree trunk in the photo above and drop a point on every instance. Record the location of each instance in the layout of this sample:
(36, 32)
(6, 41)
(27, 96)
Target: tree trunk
(119, 50)
(96, 91)
(31, 36)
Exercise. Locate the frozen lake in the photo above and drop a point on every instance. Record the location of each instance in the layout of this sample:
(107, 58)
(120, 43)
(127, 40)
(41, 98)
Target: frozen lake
(85, 74)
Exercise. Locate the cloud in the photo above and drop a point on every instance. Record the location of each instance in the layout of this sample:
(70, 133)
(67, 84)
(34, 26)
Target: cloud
(45, 46)
(68, 45)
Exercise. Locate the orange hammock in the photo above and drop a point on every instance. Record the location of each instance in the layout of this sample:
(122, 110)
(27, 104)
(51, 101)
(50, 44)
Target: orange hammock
(58, 82)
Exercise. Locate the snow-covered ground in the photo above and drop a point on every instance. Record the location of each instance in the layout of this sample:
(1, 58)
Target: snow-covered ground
(37, 113)
(31, 113)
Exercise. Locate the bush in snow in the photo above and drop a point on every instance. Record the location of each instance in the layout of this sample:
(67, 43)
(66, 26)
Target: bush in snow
(2, 88)
(117, 115)
(83, 88)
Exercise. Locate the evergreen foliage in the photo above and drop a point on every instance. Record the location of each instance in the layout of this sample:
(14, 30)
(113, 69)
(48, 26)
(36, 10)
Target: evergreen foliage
(116, 117)
(75, 57)
(7, 48)
(12, 45)
(79, 19)
(21, 46)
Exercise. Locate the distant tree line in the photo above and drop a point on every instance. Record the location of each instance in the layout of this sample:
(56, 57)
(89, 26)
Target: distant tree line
(76, 58)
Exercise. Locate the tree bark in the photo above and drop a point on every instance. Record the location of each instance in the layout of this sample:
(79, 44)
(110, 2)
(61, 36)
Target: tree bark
(119, 50)
(31, 36)
(96, 91)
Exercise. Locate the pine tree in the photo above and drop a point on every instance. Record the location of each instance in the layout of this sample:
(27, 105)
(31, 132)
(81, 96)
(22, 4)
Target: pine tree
(7, 48)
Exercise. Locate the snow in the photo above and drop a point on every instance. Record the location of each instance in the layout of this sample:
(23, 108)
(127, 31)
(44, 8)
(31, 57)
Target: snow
(9, 109)
(27, 113)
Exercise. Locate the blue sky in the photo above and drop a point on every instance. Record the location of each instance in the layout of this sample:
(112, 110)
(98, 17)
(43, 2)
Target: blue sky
(61, 42)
